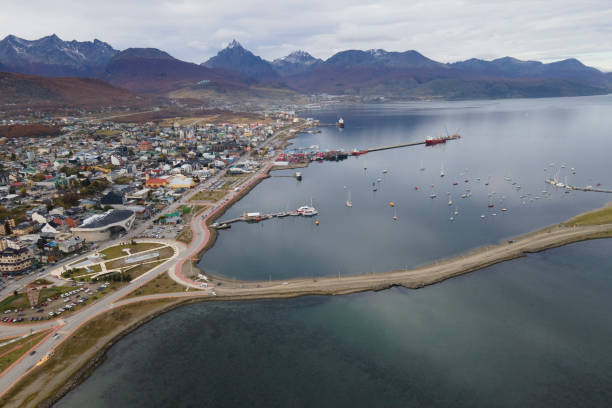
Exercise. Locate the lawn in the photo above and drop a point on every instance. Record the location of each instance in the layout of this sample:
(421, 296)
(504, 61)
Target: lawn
(597, 217)
(161, 284)
(185, 235)
(11, 352)
(165, 252)
(118, 250)
(53, 291)
(14, 302)
(208, 195)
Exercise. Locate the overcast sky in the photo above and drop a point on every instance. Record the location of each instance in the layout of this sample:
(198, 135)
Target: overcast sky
(444, 30)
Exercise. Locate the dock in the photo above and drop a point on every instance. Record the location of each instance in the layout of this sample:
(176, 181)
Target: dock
(558, 184)
(254, 217)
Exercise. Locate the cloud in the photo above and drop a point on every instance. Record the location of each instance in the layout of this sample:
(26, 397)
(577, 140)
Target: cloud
(445, 30)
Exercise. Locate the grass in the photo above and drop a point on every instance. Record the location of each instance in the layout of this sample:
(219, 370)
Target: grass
(161, 284)
(185, 235)
(15, 302)
(81, 271)
(45, 380)
(142, 269)
(41, 281)
(164, 252)
(53, 292)
(11, 352)
(596, 217)
(118, 250)
(208, 195)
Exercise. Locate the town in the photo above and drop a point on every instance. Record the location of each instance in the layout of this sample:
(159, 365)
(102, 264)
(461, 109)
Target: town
(98, 181)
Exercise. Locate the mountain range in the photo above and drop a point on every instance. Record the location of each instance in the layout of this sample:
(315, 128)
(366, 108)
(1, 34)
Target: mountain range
(370, 73)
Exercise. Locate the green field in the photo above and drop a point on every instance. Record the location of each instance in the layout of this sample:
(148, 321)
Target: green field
(14, 302)
(118, 250)
(597, 217)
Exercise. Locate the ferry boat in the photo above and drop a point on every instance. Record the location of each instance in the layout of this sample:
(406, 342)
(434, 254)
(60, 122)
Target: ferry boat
(307, 211)
(340, 123)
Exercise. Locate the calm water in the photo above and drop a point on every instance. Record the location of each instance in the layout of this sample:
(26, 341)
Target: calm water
(516, 139)
(531, 332)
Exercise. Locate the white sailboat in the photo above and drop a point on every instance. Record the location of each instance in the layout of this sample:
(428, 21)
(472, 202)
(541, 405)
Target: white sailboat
(349, 203)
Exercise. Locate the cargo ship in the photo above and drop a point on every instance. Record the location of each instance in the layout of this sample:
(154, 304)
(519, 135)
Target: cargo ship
(340, 123)
(430, 141)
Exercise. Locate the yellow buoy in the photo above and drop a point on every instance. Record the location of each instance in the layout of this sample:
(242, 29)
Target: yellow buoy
(392, 204)
(317, 222)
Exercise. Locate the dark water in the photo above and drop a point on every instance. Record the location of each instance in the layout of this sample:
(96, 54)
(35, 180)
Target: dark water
(533, 332)
(517, 139)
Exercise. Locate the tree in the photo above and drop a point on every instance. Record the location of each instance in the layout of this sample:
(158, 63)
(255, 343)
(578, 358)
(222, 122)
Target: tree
(23, 192)
(13, 156)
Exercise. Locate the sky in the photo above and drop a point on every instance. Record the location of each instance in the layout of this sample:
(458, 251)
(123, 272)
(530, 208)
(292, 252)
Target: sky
(444, 30)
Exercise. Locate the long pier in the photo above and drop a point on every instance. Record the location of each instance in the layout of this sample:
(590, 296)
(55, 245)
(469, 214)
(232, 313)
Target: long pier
(397, 146)
(558, 184)
(255, 217)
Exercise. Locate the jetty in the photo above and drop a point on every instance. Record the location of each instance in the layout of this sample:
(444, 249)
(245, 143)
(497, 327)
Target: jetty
(306, 155)
(559, 184)
(255, 217)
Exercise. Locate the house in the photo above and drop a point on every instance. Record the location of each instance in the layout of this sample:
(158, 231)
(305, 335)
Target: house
(23, 228)
(69, 245)
(6, 226)
(155, 182)
(15, 260)
(112, 199)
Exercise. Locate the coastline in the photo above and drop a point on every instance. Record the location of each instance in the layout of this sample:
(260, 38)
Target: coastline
(413, 278)
(537, 241)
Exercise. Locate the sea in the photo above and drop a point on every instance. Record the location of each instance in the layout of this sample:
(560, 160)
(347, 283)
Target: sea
(530, 332)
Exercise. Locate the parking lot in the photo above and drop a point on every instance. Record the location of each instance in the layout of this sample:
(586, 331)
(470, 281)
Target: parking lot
(68, 299)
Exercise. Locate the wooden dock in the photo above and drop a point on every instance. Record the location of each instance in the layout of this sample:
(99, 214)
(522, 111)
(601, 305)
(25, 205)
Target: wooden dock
(254, 218)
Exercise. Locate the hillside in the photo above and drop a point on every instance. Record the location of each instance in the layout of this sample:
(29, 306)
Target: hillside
(149, 70)
(20, 90)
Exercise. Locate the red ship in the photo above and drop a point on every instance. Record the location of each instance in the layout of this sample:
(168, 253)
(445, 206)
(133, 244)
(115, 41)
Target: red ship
(430, 141)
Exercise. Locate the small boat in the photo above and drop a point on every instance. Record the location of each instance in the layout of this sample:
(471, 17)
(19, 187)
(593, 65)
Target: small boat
(494, 214)
(394, 214)
(416, 188)
(340, 123)
(379, 180)
(385, 171)
(504, 209)
(442, 171)
(482, 216)
(349, 203)
(432, 195)
(491, 205)
(455, 183)
(450, 202)
(452, 218)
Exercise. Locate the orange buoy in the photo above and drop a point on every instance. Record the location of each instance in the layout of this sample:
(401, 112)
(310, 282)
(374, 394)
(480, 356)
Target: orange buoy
(317, 222)
(392, 204)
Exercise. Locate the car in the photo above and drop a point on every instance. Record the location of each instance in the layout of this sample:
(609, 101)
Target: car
(51, 313)
(32, 352)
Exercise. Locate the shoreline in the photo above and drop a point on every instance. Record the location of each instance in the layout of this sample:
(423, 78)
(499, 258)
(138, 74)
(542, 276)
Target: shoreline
(418, 277)
(533, 242)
